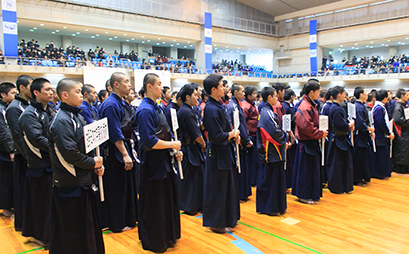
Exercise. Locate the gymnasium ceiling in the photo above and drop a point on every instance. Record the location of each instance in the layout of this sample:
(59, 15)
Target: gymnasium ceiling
(280, 7)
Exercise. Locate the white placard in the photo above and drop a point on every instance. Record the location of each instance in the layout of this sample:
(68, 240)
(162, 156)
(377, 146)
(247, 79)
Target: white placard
(208, 32)
(98, 76)
(323, 123)
(287, 122)
(140, 74)
(406, 110)
(236, 120)
(95, 134)
(313, 53)
(351, 110)
(174, 118)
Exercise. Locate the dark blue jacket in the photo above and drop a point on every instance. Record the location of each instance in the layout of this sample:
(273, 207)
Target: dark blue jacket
(244, 133)
(271, 138)
(89, 112)
(361, 133)
(340, 127)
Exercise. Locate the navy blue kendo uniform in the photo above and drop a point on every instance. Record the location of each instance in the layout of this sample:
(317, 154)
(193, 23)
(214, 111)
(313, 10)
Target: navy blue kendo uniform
(89, 112)
(221, 205)
(362, 147)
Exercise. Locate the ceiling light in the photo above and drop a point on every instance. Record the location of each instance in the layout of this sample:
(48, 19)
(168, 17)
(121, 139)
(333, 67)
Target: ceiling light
(341, 46)
(106, 32)
(367, 46)
(386, 45)
(188, 42)
(125, 34)
(149, 40)
(73, 34)
(127, 40)
(403, 43)
(41, 24)
(92, 37)
(399, 42)
(370, 47)
(86, 30)
(78, 32)
(110, 39)
(143, 41)
(158, 38)
(185, 46)
(177, 44)
(406, 38)
(371, 42)
(191, 45)
(174, 40)
(65, 27)
(171, 45)
(157, 43)
(227, 46)
(35, 28)
(388, 40)
(163, 42)
(215, 48)
(132, 39)
(57, 31)
(97, 35)
(356, 44)
(53, 32)
(116, 37)
(143, 36)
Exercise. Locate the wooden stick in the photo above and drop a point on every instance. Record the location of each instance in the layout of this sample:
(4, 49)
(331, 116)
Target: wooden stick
(323, 151)
(352, 138)
(238, 158)
(373, 144)
(179, 162)
(285, 158)
(100, 183)
(391, 149)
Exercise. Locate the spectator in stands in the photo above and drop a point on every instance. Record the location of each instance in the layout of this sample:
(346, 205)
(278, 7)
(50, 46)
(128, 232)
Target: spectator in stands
(1, 57)
(150, 54)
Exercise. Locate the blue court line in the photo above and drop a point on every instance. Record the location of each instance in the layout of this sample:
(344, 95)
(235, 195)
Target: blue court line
(243, 245)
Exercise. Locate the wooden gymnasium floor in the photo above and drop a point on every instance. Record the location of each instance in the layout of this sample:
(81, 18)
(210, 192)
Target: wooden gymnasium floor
(373, 219)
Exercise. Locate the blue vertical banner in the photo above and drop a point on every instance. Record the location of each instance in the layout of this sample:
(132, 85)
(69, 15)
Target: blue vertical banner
(313, 46)
(10, 39)
(208, 41)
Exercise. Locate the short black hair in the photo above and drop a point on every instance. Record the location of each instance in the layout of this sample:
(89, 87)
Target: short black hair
(196, 85)
(211, 81)
(358, 90)
(102, 93)
(65, 85)
(311, 85)
(142, 92)
(116, 77)
(371, 95)
(249, 90)
(186, 90)
(337, 90)
(23, 80)
(323, 93)
(224, 82)
(400, 92)
(174, 93)
(235, 87)
(288, 93)
(267, 91)
(37, 84)
(328, 94)
(165, 89)
(107, 84)
(87, 88)
(381, 94)
(278, 86)
(149, 78)
(5, 87)
(204, 94)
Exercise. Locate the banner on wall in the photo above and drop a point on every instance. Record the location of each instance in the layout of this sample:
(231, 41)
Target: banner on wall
(140, 74)
(208, 41)
(98, 76)
(313, 46)
(9, 17)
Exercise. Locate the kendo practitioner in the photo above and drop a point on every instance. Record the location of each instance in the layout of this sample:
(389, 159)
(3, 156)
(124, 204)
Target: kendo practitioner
(221, 204)
(13, 112)
(166, 97)
(158, 213)
(339, 166)
(306, 175)
(88, 111)
(119, 180)
(74, 226)
(251, 114)
(175, 104)
(326, 109)
(381, 163)
(7, 92)
(244, 177)
(34, 123)
(191, 187)
(225, 99)
(271, 144)
(362, 139)
(278, 107)
(288, 105)
(400, 160)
